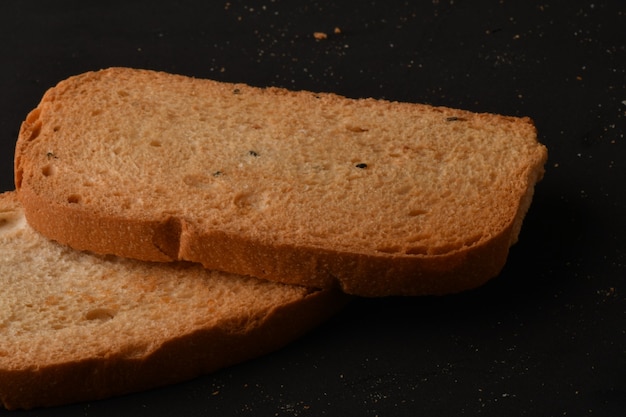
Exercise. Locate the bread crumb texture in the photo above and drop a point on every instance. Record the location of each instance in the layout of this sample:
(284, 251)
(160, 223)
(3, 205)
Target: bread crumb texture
(296, 169)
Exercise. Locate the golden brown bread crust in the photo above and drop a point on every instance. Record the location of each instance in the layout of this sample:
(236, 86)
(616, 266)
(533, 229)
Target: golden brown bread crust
(360, 274)
(179, 359)
(427, 264)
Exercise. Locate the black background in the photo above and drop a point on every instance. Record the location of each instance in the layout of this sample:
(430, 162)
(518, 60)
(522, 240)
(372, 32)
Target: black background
(545, 338)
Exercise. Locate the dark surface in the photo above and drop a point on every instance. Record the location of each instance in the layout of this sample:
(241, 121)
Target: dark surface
(545, 338)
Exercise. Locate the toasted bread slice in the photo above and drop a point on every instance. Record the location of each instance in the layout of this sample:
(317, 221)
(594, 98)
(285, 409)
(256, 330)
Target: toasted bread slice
(376, 197)
(75, 326)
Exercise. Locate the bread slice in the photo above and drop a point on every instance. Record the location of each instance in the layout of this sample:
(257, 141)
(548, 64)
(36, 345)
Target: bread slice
(75, 326)
(377, 197)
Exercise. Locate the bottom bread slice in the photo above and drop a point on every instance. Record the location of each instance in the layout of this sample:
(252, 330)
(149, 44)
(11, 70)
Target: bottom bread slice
(75, 326)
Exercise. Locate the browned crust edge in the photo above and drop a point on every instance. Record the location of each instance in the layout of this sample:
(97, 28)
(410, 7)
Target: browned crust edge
(357, 274)
(179, 359)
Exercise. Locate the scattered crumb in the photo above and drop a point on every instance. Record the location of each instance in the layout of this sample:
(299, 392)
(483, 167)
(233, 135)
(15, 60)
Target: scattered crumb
(607, 293)
(324, 35)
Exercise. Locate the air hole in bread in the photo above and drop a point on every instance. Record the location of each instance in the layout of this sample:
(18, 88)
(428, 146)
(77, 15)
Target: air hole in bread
(73, 199)
(356, 129)
(417, 212)
(455, 119)
(101, 314)
(8, 221)
(158, 190)
(473, 240)
(155, 143)
(48, 170)
(96, 112)
(405, 189)
(122, 93)
(36, 129)
(250, 200)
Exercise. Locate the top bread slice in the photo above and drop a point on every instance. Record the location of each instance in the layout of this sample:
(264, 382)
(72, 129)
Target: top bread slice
(75, 326)
(376, 197)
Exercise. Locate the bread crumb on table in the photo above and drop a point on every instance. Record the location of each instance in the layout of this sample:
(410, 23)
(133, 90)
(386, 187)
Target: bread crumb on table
(324, 35)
